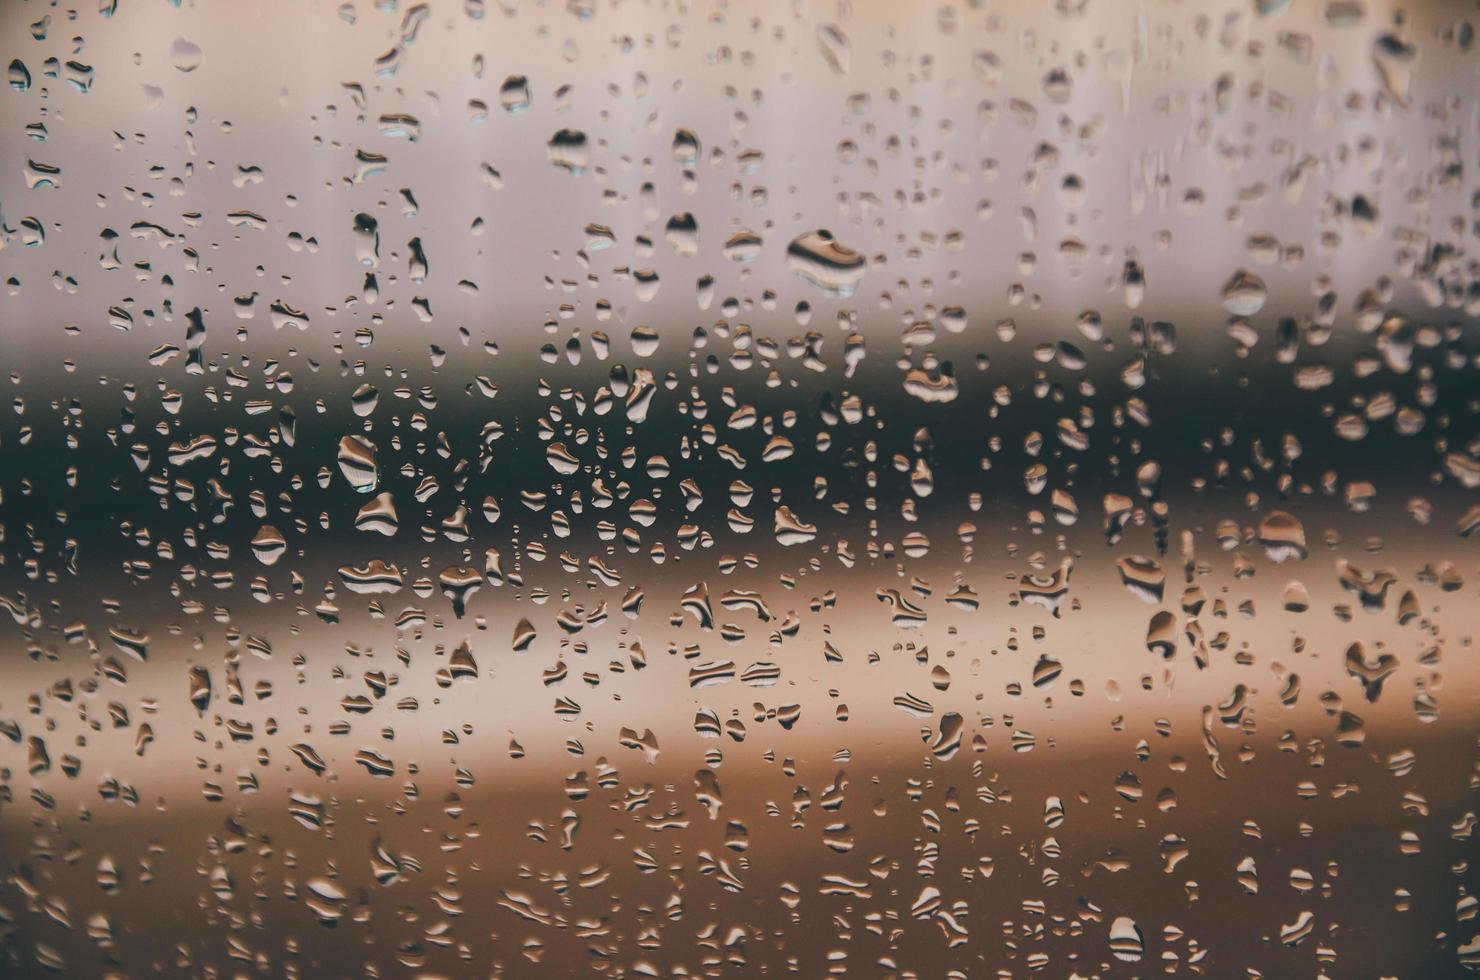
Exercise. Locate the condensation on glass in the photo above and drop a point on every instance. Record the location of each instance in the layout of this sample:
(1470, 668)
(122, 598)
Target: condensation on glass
(674, 489)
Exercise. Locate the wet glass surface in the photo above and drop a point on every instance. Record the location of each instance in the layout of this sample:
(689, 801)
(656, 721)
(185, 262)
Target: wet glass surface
(500, 488)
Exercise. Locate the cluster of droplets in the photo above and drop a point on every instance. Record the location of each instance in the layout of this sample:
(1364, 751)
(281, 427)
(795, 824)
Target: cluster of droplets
(504, 549)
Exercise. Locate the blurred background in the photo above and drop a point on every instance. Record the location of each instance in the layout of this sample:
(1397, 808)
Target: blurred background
(664, 489)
